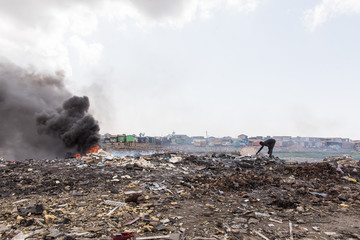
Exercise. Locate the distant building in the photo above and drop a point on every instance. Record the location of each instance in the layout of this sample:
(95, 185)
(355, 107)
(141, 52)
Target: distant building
(113, 139)
(242, 136)
(254, 141)
(243, 139)
(197, 137)
(199, 142)
(180, 139)
(282, 138)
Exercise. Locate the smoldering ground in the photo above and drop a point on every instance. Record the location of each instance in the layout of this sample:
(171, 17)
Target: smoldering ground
(39, 118)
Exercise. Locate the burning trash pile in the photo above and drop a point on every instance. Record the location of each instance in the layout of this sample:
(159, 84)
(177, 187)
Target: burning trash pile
(179, 196)
(100, 157)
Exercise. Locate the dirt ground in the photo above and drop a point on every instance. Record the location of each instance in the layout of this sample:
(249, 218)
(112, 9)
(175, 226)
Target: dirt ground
(213, 196)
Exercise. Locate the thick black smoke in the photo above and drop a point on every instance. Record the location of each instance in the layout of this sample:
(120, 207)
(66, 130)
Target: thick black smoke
(26, 97)
(72, 124)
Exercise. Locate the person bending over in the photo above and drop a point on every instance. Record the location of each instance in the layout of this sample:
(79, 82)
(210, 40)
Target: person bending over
(270, 143)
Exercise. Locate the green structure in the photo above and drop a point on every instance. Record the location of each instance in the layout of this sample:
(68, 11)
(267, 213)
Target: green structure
(130, 138)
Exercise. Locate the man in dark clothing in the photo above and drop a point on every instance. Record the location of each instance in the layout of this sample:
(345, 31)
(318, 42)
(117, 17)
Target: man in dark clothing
(270, 143)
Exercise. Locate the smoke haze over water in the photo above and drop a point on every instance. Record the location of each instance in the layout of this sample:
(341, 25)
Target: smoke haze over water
(28, 98)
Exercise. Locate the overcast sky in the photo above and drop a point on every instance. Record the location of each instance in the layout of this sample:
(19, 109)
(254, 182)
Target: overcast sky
(258, 67)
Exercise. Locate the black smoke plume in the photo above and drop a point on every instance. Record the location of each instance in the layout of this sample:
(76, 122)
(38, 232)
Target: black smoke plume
(27, 100)
(72, 124)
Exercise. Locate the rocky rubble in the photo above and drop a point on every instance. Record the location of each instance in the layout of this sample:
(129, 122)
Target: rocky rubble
(179, 196)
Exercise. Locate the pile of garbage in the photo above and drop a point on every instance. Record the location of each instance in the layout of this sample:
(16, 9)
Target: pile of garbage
(341, 161)
(179, 196)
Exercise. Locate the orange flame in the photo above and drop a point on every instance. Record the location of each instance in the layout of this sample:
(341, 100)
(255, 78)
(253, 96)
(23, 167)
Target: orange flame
(94, 149)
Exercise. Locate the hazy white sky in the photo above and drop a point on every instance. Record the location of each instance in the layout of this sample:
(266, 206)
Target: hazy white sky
(259, 67)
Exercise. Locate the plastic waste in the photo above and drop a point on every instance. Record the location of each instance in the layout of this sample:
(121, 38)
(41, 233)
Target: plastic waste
(123, 236)
(350, 179)
(175, 159)
(82, 166)
(319, 194)
(114, 203)
(344, 205)
(339, 170)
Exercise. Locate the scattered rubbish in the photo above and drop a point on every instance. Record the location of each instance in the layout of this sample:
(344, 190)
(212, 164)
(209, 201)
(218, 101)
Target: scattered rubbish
(40, 221)
(123, 236)
(291, 230)
(330, 233)
(132, 192)
(160, 227)
(316, 228)
(83, 166)
(49, 218)
(175, 159)
(131, 221)
(300, 209)
(247, 151)
(341, 198)
(319, 194)
(345, 161)
(79, 234)
(253, 221)
(134, 198)
(164, 221)
(218, 195)
(261, 235)
(116, 204)
(173, 236)
(126, 176)
(21, 201)
(350, 179)
(113, 210)
(36, 209)
(275, 220)
(143, 163)
(22, 236)
(290, 162)
(257, 214)
(4, 228)
(54, 233)
(300, 221)
(156, 186)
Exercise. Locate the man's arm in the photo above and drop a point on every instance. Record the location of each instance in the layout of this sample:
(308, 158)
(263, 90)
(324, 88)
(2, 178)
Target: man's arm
(259, 150)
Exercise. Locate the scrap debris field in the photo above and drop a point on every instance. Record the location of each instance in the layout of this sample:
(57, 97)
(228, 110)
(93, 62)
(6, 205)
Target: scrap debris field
(180, 196)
